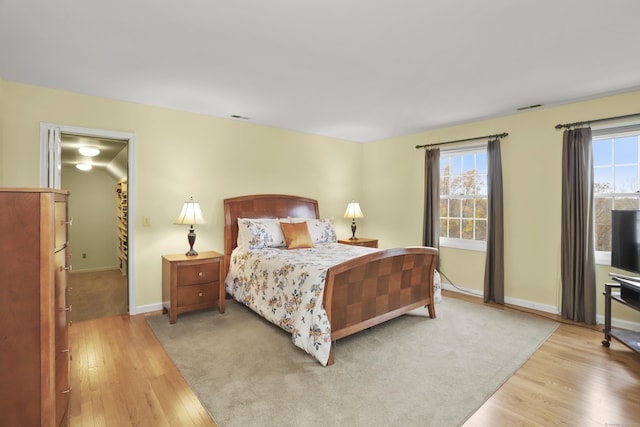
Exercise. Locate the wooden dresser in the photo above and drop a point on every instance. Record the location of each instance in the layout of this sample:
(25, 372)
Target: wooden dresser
(34, 339)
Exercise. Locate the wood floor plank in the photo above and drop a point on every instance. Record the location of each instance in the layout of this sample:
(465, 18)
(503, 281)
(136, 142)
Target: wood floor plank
(121, 376)
(98, 409)
(571, 380)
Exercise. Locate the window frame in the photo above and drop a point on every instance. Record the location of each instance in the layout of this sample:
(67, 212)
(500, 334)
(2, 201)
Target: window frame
(611, 132)
(459, 243)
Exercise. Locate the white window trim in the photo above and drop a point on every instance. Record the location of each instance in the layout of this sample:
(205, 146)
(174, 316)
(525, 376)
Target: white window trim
(466, 244)
(603, 258)
(470, 245)
(463, 148)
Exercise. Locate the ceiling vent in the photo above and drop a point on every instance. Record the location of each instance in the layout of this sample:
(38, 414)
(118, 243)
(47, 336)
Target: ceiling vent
(529, 107)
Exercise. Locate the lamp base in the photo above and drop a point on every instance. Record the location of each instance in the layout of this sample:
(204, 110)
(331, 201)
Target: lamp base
(353, 230)
(191, 237)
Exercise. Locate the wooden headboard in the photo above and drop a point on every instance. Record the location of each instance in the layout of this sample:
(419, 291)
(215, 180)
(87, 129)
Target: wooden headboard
(262, 206)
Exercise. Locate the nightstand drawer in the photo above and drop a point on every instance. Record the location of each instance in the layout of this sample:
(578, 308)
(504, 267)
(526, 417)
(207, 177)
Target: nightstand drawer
(190, 274)
(198, 295)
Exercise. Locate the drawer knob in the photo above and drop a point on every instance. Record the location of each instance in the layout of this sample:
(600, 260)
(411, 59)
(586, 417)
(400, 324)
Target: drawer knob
(199, 273)
(200, 294)
(66, 309)
(66, 391)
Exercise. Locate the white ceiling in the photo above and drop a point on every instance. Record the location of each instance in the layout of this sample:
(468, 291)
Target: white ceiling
(359, 70)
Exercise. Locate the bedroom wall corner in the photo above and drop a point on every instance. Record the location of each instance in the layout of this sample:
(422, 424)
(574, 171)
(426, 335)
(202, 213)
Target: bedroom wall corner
(531, 158)
(178, 155)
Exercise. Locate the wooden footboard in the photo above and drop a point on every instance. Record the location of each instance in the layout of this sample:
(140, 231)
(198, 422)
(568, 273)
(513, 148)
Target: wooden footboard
(371, 289)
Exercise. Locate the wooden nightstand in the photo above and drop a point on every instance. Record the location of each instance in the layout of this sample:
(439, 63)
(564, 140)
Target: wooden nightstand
(192, 283)
(361, 241)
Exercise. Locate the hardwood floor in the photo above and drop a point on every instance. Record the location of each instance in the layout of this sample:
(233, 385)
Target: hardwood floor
(572, 380)
(121, 376)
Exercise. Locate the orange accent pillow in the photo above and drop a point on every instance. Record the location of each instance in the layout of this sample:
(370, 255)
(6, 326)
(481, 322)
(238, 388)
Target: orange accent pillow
(296, 234)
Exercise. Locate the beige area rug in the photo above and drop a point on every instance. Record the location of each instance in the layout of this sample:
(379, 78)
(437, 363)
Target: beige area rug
(96, 294)
(411, 371)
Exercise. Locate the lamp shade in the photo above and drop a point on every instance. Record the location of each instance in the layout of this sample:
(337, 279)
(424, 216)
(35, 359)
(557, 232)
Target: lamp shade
(191, 214)
(353, 211)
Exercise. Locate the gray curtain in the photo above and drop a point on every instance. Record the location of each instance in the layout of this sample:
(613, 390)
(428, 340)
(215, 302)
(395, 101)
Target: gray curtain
(577, 246)
(432, 198)
(494, 267)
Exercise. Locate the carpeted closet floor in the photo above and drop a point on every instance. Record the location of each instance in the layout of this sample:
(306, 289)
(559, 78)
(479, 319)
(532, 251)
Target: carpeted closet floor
(96, 294)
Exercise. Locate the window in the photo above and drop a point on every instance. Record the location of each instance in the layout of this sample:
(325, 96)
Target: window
(616, 180)
(463, 198)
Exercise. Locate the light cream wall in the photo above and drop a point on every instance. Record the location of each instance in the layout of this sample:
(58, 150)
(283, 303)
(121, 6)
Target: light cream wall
(531, 159)
(2, 136)
(92, 206)
(181, 154)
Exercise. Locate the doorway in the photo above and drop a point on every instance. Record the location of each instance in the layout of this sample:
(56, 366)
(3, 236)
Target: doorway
(102, 280)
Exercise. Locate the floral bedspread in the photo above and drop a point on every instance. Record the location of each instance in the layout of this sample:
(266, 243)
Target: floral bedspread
(286, 287)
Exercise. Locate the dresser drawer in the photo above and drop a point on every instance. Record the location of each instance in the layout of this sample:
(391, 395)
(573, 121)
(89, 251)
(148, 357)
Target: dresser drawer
(63, 385)
(190, 274)
(204, 295)
(61, 225)
(369, 244)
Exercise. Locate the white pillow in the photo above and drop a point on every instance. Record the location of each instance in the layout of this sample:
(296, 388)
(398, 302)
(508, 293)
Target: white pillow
(321, 230)
(258, 233)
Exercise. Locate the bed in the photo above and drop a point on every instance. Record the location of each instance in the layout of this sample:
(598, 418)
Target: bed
(337, 299)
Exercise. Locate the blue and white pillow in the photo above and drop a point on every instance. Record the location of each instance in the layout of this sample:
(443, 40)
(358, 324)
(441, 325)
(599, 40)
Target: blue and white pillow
(260, 233)
(321, 230)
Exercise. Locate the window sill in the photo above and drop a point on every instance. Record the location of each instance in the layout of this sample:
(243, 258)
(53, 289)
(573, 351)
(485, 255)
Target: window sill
(603, 258)
(470, 245)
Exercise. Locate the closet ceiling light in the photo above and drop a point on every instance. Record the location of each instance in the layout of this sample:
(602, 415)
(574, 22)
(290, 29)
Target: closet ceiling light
(84, 166)
(89, 151)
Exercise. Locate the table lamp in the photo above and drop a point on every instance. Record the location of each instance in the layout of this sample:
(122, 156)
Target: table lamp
(191, 214)
(353, 211)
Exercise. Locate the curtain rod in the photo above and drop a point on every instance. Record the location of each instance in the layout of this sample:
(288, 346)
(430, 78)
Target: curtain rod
(588, 122)
(498, 135)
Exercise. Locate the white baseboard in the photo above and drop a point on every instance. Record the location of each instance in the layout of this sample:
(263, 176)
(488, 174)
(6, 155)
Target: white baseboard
(146, 308)
(620, 323)
(532, 305)
(461, 290)
(615, 322)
